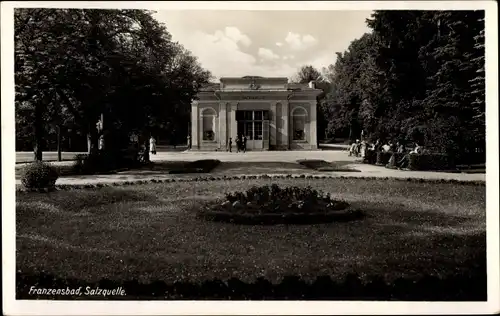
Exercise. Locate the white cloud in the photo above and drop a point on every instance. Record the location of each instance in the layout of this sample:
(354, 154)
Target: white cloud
(324, 59)
(279, 44)
(287, 57)
(220, 53)
(298, 42)
(308, 39)
(266, 53)
(235, 34)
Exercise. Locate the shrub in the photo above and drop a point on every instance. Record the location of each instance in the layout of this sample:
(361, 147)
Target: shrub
(274, 198)
(275, 205)
(430, 162)
(92, 164)
(106, 162)
(39, 175)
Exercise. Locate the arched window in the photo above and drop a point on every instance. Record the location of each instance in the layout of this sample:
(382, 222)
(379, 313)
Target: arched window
(299, 116)
(208, 124)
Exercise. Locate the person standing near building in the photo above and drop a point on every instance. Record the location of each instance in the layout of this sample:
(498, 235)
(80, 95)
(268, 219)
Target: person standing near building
(238, 143)
(101, 143)
(189, 142)
(152, 145)
(230, 144)
(244, 144)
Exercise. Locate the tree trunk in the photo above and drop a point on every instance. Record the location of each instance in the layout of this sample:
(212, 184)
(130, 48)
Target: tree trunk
(38, 134)
(89, 143)
(146, 151)
(59, 156)
(92, 141)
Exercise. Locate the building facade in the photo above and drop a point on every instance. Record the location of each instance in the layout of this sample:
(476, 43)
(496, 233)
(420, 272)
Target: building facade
(270, 112)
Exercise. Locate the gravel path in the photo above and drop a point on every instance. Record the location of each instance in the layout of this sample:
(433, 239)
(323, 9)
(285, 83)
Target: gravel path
(284, 157)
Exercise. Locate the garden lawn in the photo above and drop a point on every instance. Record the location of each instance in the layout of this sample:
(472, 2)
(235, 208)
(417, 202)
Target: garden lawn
(150, 232)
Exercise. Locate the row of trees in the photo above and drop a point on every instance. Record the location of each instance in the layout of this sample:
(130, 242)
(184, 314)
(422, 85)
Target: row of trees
(418, 76)
(75, 68)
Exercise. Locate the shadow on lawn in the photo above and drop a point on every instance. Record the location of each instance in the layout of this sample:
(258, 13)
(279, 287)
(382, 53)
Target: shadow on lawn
(249, 167)
(324, 166)
(404, 215)
(173, 167)
(74, 201)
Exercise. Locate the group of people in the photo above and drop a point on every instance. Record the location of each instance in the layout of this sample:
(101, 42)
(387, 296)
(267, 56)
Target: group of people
(359, 148)
(241, 144)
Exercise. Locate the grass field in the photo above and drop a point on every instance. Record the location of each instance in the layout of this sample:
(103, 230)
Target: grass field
(150, 232)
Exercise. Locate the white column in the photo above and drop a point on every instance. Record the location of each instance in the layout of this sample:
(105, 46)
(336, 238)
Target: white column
(194, 124)
(234, 126)
(222, 124)
(286, 125)
(272, 125)
(313, 126)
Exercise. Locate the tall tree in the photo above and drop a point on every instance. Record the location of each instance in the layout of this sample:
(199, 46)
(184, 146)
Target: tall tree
(84, 64)
(306, 74)
(356, 88)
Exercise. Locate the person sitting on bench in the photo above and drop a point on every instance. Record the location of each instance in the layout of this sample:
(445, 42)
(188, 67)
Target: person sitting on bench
(406, 159)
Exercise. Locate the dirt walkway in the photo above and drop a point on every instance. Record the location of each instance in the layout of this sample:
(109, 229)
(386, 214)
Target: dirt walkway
(366, 171)
(255, 163)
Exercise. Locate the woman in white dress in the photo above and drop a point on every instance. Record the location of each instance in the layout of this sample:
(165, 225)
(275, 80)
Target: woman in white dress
(152, 145)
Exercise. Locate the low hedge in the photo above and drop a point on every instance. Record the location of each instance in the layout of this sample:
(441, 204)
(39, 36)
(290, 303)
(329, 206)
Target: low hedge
(430, 162)
(416, 162)
(370, 157)
(459, 287)
(383, 158)
(109, 162)
(94, 164)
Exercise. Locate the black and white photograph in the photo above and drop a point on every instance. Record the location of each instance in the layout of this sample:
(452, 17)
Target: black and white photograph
(273, 153)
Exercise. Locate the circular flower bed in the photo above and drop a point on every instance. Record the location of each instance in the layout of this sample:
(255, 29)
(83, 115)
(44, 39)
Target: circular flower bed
(274, 205)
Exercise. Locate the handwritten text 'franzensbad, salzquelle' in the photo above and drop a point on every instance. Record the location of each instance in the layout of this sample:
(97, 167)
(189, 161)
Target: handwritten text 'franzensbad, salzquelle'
(88, 291)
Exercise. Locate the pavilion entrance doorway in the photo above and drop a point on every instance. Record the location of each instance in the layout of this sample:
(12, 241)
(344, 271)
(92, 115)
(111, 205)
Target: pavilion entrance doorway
(255, 126)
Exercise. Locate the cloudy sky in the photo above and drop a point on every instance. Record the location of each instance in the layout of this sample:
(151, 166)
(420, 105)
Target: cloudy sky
(264, 43)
